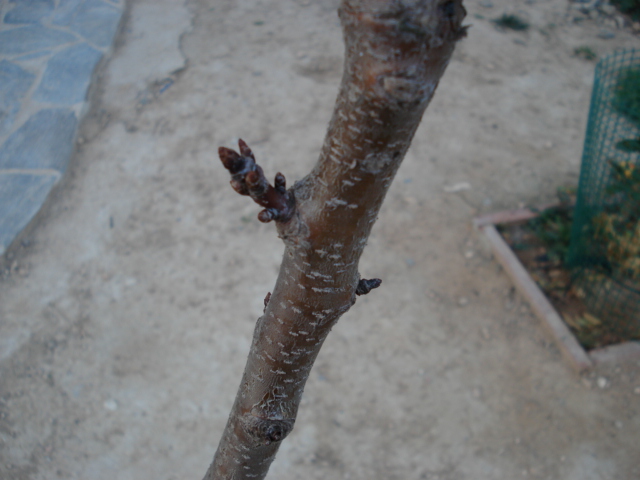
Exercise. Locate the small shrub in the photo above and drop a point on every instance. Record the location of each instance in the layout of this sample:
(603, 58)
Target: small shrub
(630, 7)
(553, 227)
(586, 53)
(511, 22)
(617, 228)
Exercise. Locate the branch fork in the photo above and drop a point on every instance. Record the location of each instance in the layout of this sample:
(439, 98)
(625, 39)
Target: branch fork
(247, 178)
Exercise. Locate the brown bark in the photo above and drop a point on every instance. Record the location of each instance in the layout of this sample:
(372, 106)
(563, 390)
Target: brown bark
(396, 52)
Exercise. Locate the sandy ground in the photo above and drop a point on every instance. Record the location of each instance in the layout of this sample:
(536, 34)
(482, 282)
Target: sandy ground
(127, 312)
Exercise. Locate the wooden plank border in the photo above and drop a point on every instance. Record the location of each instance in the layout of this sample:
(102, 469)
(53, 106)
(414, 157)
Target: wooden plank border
(579, 359)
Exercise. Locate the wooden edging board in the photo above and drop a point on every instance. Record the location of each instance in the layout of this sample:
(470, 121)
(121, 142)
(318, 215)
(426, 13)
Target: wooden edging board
(571, 350)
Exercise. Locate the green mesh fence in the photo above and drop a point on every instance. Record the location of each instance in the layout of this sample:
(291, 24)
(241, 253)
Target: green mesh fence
(605, 237)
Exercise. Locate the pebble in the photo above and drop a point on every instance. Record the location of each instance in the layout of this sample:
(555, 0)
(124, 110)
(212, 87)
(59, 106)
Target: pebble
(636, 390)
(607, 9)
(602, 382)
(486, 334)
(457, 187)
(586, 5)
(606, 34)
(462, 301)
(618, 424)
(111, 405)
(469, 254)
(220, 51)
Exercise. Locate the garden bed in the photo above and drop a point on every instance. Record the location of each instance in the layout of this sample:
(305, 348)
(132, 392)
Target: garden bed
(533, 265)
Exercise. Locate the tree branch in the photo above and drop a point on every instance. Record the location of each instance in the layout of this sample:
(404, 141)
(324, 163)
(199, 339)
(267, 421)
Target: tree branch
(395, 53)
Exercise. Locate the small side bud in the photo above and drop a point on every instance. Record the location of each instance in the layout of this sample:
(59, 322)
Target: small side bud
(247, 178)
(280, 183)
(265, 216)
(245, 151)
(230, 159)
(266, 301)
(257, 183)
(264, 431)
(366, 285)
(239, 187)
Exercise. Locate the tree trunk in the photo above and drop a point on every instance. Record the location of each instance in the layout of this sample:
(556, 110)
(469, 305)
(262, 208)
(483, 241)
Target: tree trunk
(396, 52)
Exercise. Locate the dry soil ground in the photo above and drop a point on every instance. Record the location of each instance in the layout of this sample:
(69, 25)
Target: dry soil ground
(127, 312)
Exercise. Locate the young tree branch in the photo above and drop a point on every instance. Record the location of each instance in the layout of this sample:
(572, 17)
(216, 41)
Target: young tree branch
(395, 53)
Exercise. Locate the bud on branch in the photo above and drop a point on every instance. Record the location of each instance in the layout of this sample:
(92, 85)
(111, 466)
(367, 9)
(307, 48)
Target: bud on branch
(247, 178)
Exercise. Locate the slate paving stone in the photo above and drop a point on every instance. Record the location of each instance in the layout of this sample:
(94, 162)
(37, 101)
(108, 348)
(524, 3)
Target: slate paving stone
(31, 56)
(95, 20)
(14, 84)
(57, 43)
(65, 11)
(29, 11)
(67, 76)
(32, 38)
(21, 197)
(45, 141)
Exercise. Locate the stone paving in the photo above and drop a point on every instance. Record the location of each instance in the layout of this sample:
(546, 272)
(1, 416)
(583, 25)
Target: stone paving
(49, 50)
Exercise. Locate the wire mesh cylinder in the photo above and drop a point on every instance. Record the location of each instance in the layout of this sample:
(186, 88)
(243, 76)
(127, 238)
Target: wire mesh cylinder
(605, 236)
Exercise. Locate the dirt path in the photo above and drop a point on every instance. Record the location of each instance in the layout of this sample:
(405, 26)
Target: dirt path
(127, 314)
